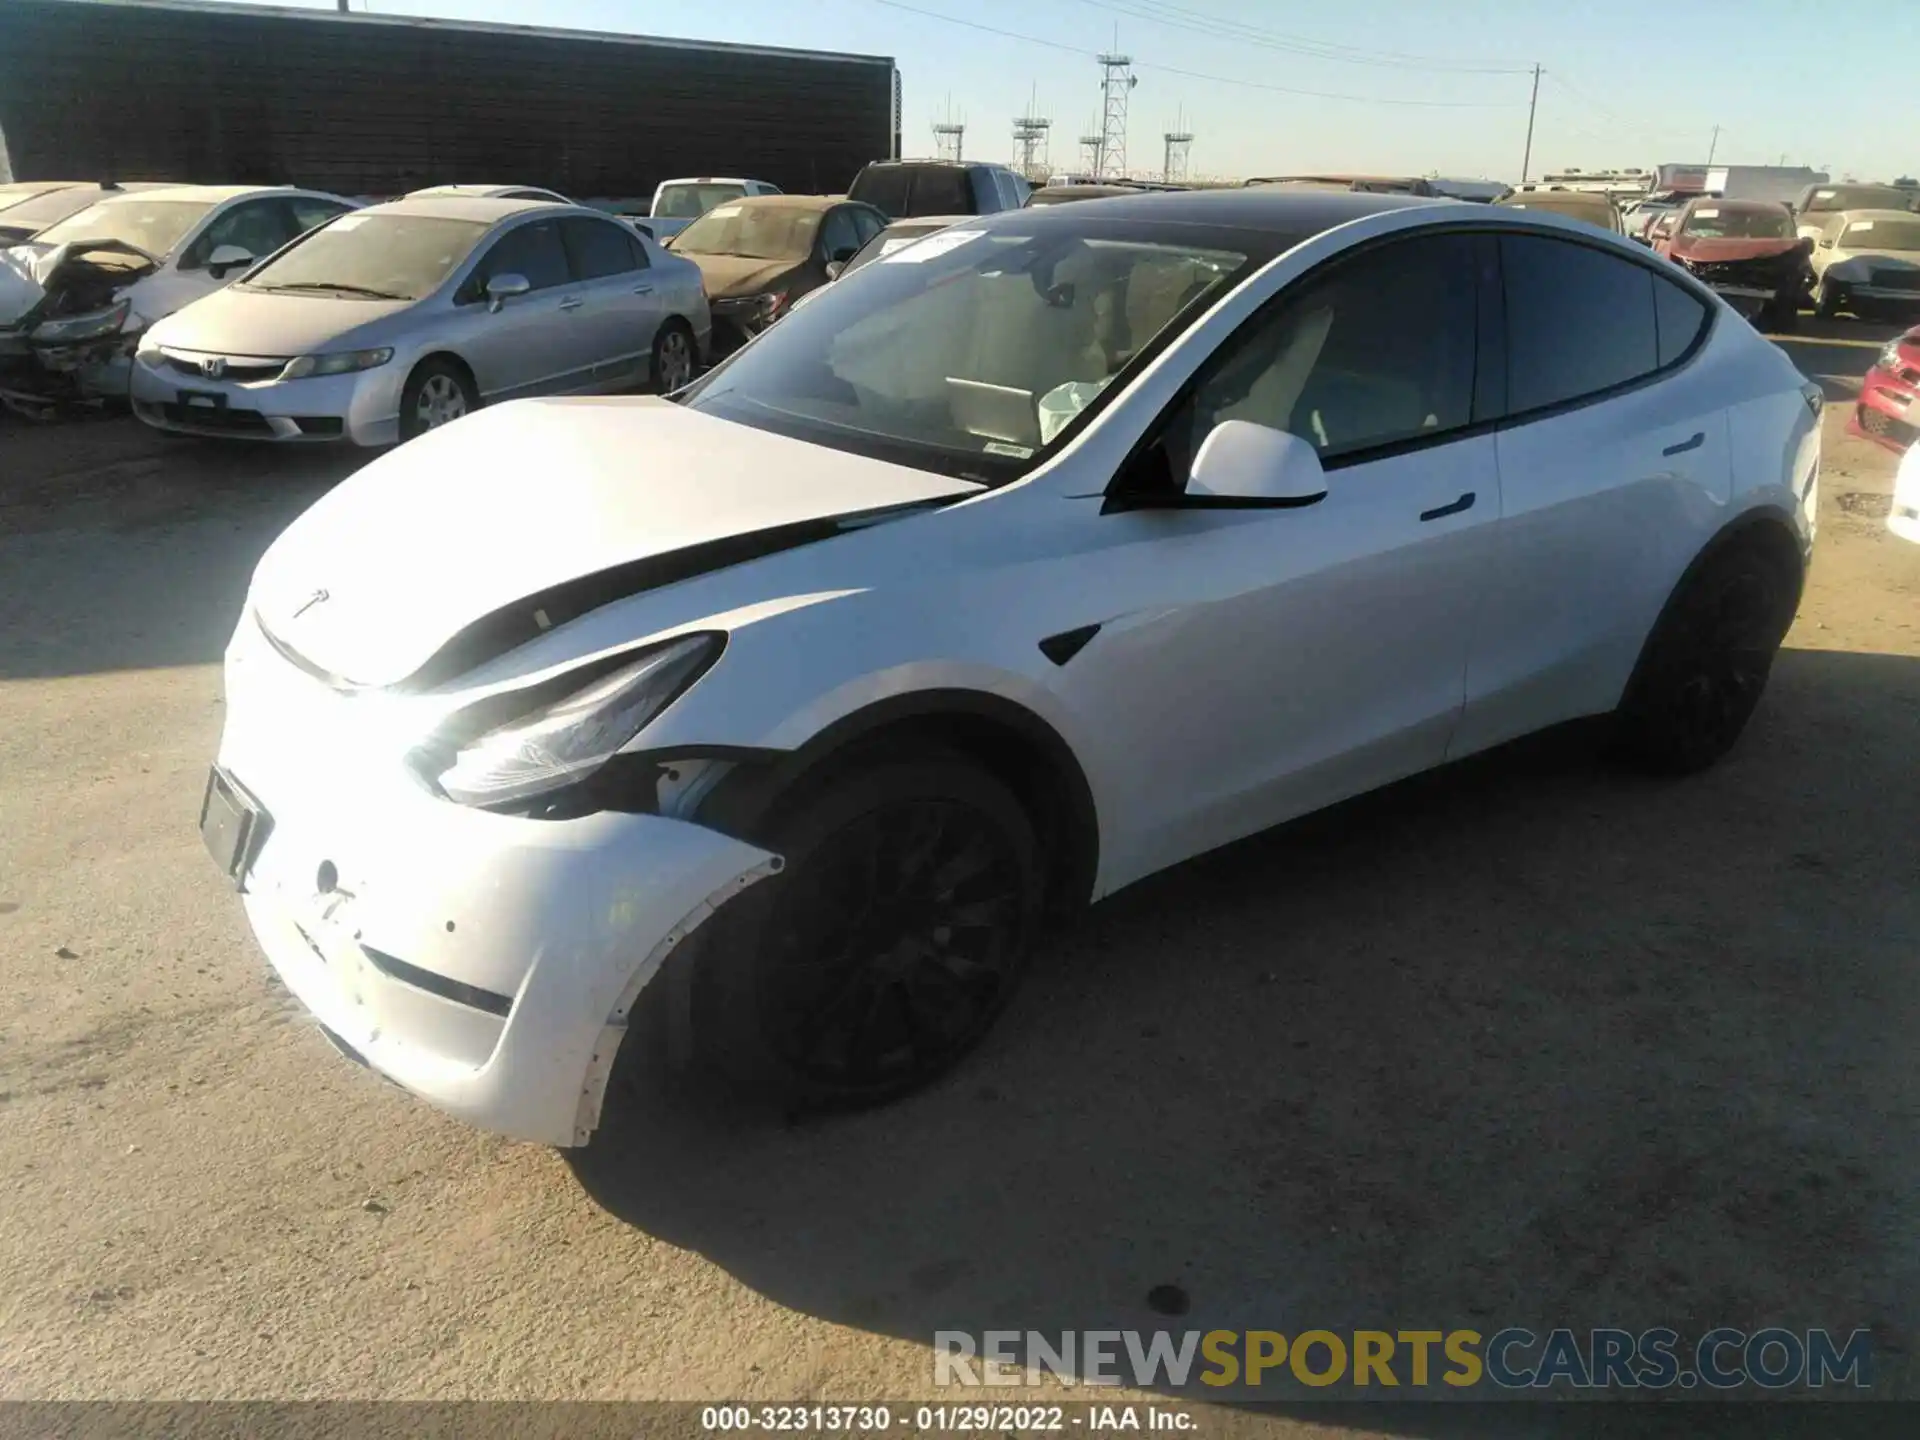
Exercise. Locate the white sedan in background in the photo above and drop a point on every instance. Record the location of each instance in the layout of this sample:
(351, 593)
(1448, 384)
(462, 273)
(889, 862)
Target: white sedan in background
(403, 317)
(1024, 562)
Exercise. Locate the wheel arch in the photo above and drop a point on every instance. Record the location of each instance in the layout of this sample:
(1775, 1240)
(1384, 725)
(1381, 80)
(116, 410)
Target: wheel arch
(1764, 528)
(1006, 738)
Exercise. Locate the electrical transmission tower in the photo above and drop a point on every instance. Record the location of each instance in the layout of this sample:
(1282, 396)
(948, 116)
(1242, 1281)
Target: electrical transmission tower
(1116, 84)
(1179, 147)
(1030, 132)
(949, 138)
(1090, 150)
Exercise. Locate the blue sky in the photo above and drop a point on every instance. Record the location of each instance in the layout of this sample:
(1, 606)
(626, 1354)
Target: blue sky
(1628, 82)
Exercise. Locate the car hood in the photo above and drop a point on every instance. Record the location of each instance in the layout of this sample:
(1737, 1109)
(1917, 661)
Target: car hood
(471, 540)
(1711, 251)
(728, 275)
(1881, 259)
(254, 322)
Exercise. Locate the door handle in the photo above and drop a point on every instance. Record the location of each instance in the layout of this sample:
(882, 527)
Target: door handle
(643, 289)
(1699, 439)
(1465, 502)
(570, 303)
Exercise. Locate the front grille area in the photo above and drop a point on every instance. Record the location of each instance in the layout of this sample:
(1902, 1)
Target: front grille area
(236, 371)
(202, 417)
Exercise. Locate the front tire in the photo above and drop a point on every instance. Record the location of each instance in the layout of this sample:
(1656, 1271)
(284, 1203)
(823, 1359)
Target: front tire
(438, 392)
(1706, 663)
(887, 946)
(1827, 306)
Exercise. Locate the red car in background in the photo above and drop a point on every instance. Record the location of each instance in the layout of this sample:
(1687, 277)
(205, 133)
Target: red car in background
(1747, 251)
(1888, 411)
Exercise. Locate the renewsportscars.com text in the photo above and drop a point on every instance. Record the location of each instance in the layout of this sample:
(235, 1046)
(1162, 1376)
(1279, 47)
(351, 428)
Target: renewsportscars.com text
(1514, 1358)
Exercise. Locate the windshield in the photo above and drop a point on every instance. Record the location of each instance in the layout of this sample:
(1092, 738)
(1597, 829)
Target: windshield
(1883, 235)
(155, 226)
(690, 202)
(1858, 197)
(1713, 222)
(972, 352)
(754, 232)
(383, 257)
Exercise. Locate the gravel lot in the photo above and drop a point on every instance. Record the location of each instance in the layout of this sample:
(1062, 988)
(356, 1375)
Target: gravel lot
(1525, 1042)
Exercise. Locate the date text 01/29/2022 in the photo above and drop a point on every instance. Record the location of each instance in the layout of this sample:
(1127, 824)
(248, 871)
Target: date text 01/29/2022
(958, 1419)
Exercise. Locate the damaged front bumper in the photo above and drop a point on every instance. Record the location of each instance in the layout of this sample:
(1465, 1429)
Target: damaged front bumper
(1752, 286)
(487, 963)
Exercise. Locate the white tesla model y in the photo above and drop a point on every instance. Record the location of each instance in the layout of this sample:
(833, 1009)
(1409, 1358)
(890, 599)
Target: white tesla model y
(1037, 556)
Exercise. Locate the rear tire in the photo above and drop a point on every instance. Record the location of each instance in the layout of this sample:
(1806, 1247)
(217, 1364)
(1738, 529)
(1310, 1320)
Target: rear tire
(883, 952)
(438, 392)
(673, 358)
(1706, 663)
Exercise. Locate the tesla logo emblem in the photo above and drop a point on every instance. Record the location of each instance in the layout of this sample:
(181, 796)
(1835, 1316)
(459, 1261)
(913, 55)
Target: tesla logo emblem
(312, 600)
(213, 369)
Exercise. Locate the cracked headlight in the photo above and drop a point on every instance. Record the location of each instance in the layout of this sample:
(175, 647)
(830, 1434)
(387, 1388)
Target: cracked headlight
(344, 362)
(76, 328)
(573, 736)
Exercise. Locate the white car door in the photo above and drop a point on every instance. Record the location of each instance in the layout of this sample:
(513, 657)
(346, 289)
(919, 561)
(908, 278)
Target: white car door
(1274, 661)
(1614, 469)
(620, 308)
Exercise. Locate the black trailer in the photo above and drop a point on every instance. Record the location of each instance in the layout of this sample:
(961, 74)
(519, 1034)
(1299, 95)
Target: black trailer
(376, 105)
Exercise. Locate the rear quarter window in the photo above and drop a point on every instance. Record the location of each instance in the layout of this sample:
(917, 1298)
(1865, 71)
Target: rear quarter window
(1579, 321)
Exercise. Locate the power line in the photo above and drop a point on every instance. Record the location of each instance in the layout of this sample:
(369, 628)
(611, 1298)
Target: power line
(1179, 18)
(1202, 75)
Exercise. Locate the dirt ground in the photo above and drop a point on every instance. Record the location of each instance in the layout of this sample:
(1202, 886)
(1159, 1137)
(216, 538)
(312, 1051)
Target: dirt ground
(1525, 1042)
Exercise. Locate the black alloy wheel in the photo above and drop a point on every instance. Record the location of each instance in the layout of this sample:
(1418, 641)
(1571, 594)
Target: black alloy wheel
(1707, 663)
(888, 944)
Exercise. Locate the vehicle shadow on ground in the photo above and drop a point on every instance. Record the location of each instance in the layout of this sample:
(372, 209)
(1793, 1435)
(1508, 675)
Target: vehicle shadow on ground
(1530, 1041)
(1835, 354)
(122, 549)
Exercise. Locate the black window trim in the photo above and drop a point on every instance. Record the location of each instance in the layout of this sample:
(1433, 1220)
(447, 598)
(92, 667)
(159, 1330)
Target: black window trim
(573, 269)
(1660, 269)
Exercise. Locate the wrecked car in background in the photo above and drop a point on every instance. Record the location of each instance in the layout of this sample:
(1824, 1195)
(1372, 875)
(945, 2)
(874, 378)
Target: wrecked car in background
(1745, 250)
(28, 207)
(76, 298)
(1888, 409)
(1868, 262)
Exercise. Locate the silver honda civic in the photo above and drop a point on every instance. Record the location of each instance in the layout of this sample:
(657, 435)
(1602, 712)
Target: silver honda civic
(402, 317)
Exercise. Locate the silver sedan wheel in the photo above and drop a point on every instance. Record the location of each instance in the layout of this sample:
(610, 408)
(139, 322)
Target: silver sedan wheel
(673, 361)
(441, 401)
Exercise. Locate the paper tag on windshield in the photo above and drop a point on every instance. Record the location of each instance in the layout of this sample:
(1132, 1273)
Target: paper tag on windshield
(1858, 226)
(348, 222)
(1002, 447)
(932, 247)
(725, 210)
(899, 242)
(1706, 214)
(1823, 194)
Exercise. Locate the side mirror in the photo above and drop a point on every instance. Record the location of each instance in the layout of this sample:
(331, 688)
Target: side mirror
(834, 267)
(1241, 464)
(502, 288)
(228, 257)
(1826, 244)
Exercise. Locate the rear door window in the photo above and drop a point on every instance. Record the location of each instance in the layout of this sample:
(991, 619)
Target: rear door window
(1579, 321)
(597, 248)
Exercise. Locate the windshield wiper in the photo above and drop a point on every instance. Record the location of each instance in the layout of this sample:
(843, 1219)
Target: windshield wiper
(334, 285)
